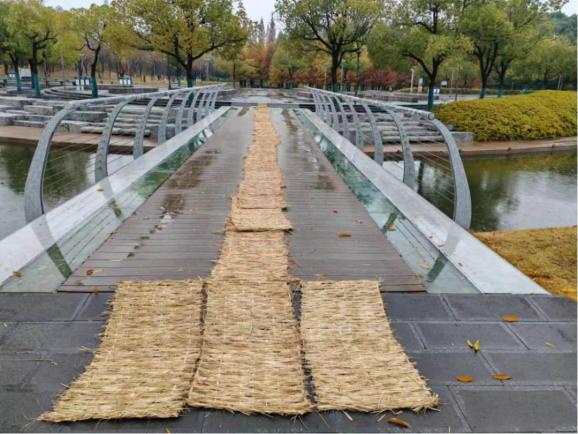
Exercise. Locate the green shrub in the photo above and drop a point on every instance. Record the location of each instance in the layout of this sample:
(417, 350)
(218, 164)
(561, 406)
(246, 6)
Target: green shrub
(539, 115)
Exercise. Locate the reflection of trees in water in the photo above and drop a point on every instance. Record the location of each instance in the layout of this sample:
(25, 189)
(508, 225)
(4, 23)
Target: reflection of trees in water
(66, 175)
(493, 183)
(435, 184)
(14, 162)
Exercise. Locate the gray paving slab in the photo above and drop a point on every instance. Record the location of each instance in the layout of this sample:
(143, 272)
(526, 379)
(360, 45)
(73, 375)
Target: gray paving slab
(56, 371)
(536, 368)
(422, 307)
(453, 336)
(406, 335)
(447, 419)
(556, 308)
(95, 308)
(223, 421)
(39, 307)
(190, 421)
(443, 368)
(52, 336)
(499, 409)
(20, 410)
(474, 307)
(14, 372)
(547, 336)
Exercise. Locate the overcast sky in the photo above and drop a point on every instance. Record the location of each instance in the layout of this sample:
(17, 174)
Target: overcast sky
(256, 9)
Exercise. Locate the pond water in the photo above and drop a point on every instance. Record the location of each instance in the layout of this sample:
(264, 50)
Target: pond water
(67, 173)
(518, 192)
(507, 192)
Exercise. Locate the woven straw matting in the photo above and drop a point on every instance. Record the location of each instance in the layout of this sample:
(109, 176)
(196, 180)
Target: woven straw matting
(144, 365)
(356, 363)
(251, 355)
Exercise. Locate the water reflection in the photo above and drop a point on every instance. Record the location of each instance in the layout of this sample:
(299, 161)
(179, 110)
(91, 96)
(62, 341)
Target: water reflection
(514, 192)
(68, 172)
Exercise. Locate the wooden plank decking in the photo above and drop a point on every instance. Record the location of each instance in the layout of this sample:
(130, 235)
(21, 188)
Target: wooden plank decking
(177, 233)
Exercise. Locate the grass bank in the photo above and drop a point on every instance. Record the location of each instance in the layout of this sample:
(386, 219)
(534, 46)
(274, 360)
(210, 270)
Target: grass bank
(539, 115)
(547, 256)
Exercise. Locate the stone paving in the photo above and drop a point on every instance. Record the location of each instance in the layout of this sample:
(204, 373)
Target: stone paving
(45, 341)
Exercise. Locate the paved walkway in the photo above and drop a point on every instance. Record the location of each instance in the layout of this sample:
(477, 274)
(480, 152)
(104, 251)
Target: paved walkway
(45, 341)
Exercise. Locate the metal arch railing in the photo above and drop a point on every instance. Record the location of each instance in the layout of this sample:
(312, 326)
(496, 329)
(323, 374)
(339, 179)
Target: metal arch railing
(34, 204)
(338, 118)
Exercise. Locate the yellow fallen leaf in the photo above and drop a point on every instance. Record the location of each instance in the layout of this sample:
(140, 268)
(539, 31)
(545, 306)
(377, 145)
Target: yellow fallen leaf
(17, 274)
(95, 290)
(549, 344)
(92, 271)
(391, 227)
(473, 345)
(100, 189)
(465, 379)
(510, 318)
(343, 234)
(167, 431)
(423, 266)
(399, 422)
(502, 377)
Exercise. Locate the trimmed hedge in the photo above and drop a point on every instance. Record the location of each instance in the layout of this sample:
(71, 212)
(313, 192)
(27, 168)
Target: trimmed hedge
(539, 115)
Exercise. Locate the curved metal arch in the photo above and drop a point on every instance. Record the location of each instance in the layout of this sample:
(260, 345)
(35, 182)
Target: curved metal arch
(193, 109)
(201, 110)
(162, 134)
(377, 139)
(463, 199)
(101, 158)
(324, 110)
(334, 116)
(358, 132)
(319, 108)
(409, 176)
(138, 148)
(33, 197)
(213, 101)
(344, 128)
(179, 120)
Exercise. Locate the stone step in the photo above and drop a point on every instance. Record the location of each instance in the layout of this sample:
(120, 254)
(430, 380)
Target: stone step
(41, 109)
(25, 123)
(8, 119)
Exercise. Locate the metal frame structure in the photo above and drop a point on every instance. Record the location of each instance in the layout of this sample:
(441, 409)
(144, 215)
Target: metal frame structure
(339, 119)
(33, 194)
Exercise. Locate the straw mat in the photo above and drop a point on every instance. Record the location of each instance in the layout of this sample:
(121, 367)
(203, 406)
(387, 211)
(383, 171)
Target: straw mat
(356, 363)
(144, 365)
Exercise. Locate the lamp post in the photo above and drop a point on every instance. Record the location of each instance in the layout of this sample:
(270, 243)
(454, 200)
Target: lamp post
(358, 53)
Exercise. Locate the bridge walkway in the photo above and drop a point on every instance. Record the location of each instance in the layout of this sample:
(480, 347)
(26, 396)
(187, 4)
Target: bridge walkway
(177, 232)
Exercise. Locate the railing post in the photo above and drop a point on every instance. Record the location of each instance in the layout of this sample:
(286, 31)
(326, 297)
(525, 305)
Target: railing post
(101, 158)
(138, 147)
(201, 110)
(463, 200)
(179, 119)
(409, 177)
(34, 189)
(358, 132)
(344, 120)
(162, 135)
(377, 140)
(193, 109)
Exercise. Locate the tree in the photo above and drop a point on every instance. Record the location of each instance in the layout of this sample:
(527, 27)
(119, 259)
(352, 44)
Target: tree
(564, 25)
(551, 58)
(37, 27)
(286, 63)
(423, 32)
(91, 25)
(11, 49)
(334, 27)
(185, 30)
(486, 24)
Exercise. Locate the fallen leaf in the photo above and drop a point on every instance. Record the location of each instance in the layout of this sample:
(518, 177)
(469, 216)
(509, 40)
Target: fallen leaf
(423, 266)
(167, 431)
(92, 271)
(465, 379)
(17, 274)
(473, 345)
(510, 318)
(399, 422)
(502, 377)
(334, 211)
(391, 227)
(343, 234)
(359, 221)
(95, 289)
(100, 189)
(460, 264)
(549, 344)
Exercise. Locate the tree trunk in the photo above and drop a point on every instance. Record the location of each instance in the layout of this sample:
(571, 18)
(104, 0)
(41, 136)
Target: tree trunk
(93, 66)
(189, 71)
(484, 86)
(334, 68)
(34, 71)
(17, 73)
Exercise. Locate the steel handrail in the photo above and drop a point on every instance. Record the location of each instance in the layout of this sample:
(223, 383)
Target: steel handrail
(33, 192)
